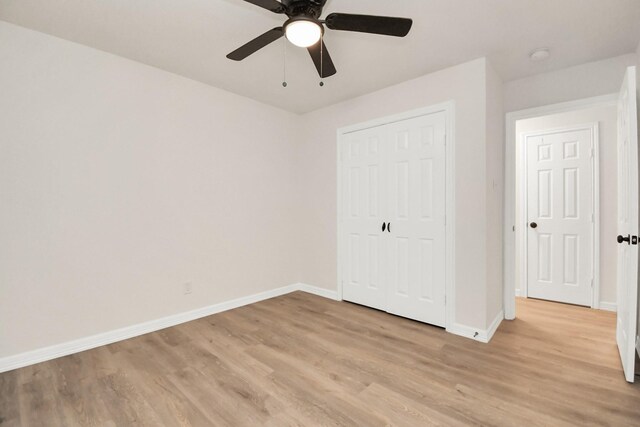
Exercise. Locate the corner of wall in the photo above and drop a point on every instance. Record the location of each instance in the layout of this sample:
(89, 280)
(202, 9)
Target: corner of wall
(568, 84)
(157, 193)
(495, 140)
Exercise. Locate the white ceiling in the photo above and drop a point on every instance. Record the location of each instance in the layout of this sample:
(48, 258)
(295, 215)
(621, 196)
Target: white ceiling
(192, 37)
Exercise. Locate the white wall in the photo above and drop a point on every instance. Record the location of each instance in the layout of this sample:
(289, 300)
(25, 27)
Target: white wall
(466, 85)
(495, 194)
(579, 82)
(607, 119)
(120, 182)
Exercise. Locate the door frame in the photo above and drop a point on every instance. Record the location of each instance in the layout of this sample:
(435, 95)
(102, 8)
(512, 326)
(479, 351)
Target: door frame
(522, 202)
(510, 189)
(448, 108)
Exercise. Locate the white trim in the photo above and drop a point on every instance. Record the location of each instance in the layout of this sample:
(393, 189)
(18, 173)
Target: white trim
(44, 354)
(339, 221)
(509, 195)
(450, 229)
(481, 335)
(468, 332)
(321, 292)
(381, 121)
(9, 363)
(449, 109)
(595, 293)
(608, 306)
(521, 233)
(518, 293)
(493, 327)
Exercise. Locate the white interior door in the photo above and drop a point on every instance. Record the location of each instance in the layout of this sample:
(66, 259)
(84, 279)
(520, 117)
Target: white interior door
(393, 236)
(560, 210)
(627, 223)
(363, 180)
(417, 214)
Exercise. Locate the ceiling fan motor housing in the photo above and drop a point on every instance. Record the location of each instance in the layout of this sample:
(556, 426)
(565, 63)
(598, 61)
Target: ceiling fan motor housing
(308, 8)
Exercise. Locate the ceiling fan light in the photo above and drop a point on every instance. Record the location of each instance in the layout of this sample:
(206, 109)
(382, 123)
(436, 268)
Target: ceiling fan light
(303, 32)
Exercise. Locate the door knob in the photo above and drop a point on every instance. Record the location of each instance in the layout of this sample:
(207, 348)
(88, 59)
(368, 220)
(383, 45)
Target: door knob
(622, 239)
(389, 227)
(384, 226)
(533, 225)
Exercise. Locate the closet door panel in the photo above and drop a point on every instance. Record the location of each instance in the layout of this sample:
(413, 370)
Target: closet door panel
(363, 177)
(416, 211)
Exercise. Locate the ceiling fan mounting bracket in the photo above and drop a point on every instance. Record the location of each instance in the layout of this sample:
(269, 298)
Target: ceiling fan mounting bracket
(307, 8)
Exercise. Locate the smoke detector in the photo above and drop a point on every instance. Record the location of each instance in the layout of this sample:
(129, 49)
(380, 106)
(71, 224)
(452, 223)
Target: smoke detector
(539, 54)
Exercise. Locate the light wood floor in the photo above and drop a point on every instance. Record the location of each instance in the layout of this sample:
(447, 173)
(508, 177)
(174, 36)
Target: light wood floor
(304, 360)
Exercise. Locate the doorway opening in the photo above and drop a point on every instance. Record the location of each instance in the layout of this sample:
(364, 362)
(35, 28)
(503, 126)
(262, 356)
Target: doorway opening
(615, 207)
(561, 203)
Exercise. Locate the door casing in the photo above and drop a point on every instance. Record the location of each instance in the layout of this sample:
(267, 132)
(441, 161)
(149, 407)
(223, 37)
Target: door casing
(522, 234)
(449, 109)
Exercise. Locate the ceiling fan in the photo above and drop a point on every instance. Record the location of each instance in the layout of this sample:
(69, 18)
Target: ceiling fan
(304, 28)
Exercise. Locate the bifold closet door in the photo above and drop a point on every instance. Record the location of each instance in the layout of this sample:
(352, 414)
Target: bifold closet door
(416, 197)
(364, 211)
(393, 250)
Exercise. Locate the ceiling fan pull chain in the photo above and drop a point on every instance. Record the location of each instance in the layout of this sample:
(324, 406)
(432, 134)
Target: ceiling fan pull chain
(284, 64)
(321, 59)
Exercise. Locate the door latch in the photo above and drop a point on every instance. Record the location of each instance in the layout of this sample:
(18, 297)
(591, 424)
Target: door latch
(631, 240)
(622, 239)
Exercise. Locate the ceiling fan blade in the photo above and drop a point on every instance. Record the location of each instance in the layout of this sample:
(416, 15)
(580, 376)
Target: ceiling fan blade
(256, 44)
(385, 25)
(272, 5)
(322, 59)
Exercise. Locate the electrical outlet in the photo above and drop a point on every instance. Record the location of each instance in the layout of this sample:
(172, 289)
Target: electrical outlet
(187, 289)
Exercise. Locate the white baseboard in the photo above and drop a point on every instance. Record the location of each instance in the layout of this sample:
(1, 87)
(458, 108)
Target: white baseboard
(608, 306)
(322, 292)
(482, 335)
(493, 327)
(467, 332)
(517, 292)
(9, 363)
(47, 353)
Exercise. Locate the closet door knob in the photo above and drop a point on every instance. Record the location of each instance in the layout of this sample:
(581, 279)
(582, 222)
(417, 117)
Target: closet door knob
(389, 227)
(533, 225)
(384, 226)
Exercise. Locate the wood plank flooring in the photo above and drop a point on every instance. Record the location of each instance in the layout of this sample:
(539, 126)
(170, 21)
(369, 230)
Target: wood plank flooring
(302, 360)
